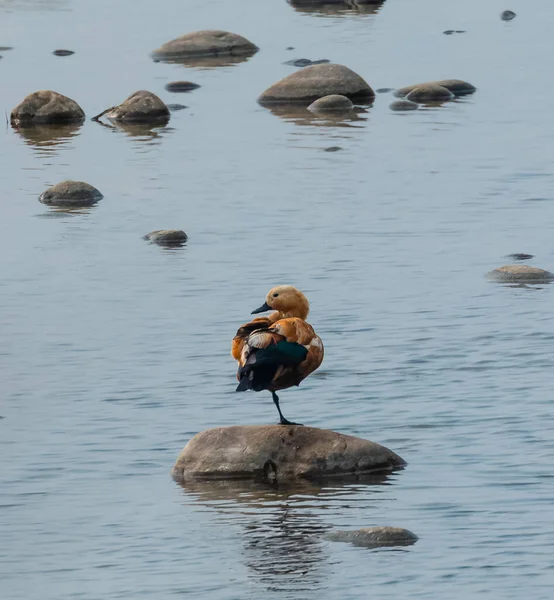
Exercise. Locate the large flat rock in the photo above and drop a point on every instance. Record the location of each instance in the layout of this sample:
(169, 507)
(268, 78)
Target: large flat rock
(280, 452)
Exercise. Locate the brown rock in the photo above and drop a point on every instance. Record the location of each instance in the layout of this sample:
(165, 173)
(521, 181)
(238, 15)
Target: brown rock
(167, 237)
(277, 452)
(456, 86)
(205, 43)
(71, 194)
(331, 103)
(140, 107)
(314, 82)
(46, 107)
(374, 537)
(403, 105)
(429, 93)
(520, 274)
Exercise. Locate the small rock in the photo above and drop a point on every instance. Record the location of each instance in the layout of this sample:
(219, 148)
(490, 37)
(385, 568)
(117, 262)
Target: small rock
(175, 107)
(63, 52)
(71, 194)
(289, 48)
(306, 62)
(181, 86)
(46, 107)
(520, 274)
(403, 105)
(451, 31)
(332, 149)
(331, 103)
(140, 107)
(430, 93)
(457, 86)
(313, 82)
(508, 15)
(520, 256)
(167, 237)
(277, 452)
(205, 43)
(374, 537)
(5, 48)
(384, 90)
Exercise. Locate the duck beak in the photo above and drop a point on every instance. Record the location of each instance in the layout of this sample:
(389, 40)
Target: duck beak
(263, 308)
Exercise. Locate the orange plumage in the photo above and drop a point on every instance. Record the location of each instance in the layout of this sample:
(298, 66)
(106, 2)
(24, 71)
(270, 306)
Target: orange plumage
(278, 351)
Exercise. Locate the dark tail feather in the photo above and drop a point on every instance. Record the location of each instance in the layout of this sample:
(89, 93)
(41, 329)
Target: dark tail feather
(245, 384)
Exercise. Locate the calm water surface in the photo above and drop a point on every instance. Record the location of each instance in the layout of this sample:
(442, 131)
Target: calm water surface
(115, 352)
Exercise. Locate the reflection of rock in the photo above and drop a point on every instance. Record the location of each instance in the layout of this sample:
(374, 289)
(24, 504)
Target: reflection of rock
(280, 453)
(310, 83)
(520, 274)
(456, 86)
(374, 537)
(209, 44)
(403, 105)
(71, 194)
(337, 7)
(429, 93)
(46, 107)
(333, 103)
(167, 237)
(45, 136)
(302, 116)
(141, 107)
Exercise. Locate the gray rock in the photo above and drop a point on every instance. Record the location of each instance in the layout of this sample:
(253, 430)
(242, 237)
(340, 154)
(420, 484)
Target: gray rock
(167, 237)
(61, 52)
(306, 62)
(508, 15)
(205, 43)
(429, 93)
(310, 83)
(332, 7)
(520, 256)
(71, 194)
(5, 48)
(403, 105)
(332, 149)
(331, 103)
(181, 86)
(176, 107)
(451, 31)
(384, 90)
(520, 274)
(140, 107)
(46, 107)
(374, 537)
(277, 452)
(457, 86)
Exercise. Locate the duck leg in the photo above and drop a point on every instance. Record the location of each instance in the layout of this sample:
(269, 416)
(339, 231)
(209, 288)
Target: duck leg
(282, 419)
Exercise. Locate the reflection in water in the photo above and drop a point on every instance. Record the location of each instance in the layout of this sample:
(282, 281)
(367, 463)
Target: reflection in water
(300, 115)
(330, 8)
(205, 62)
(283, 525)
(48, 137)
(141, 131)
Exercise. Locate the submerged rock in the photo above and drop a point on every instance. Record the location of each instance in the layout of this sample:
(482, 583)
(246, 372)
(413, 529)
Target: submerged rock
(71, 194)
(520, 256)
(46, 107)
(176, 107)
(277, 452)
(520, 274)
(306, 62)
(403, 105)
(332, 149)
(384, 90)
(457, 86)
(310, 83)
(181, 86)
(451, 31)
(205, 43)
(429, 93)
(374, 537)
(166, 237)
(61, 52)
(508, 15)
(140, 107)
(331, 103)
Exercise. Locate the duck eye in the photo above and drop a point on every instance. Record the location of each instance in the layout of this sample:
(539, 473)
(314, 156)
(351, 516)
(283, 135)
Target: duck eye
(275, 295)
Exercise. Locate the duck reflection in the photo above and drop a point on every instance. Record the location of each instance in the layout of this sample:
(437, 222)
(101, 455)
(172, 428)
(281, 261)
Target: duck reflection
(48, 138)
(331, 8)
(299, 115)
(283, 545)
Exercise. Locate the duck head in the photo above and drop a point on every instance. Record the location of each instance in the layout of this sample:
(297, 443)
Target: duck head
(287, 301)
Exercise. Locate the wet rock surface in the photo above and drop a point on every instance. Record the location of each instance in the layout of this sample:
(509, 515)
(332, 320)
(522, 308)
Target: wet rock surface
(167, 237)
(140, 107)
(70, 193)
(332, 103)
(374, 537)
(277, 453)
(181, 86)
(311, 83)
(46, 107)
(520, 274)
(429, 93)
(403, 105)
(457, 86)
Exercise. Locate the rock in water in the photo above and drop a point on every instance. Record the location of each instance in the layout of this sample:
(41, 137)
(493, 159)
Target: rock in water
(403, 105)
(62, 52)
(205, 43)
(429, 93)
(46, 107)
(374, 537)
(508, 15)
(166, 237)
(181, 86)
(71, 194)
(331, 103)
(277, 452)
(311, 83)
(140, 107)
(457, 86)
(520, 274)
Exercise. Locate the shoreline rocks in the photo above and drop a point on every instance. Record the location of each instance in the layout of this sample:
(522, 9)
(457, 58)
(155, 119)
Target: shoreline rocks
(374, 537)
(278, 453)
(46, 107)
(140, 107)
(457, 86)
(316, 81)
(71, 194)
(520, 274)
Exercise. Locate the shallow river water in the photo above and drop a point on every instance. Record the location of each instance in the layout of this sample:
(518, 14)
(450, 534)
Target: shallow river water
(115, 352)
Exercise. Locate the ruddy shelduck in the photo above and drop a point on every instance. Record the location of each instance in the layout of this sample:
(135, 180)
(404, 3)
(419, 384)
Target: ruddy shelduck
(280, 350)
